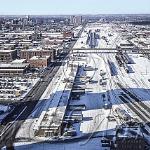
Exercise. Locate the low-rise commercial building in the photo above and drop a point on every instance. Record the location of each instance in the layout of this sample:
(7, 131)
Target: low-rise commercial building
(39, 62)
(8, 55)
(13, 69)
(68, 34)
(51, 42)
(27, 54)
(53, 35)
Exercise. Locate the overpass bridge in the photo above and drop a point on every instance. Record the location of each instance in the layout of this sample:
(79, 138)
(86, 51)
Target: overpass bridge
(111, 50)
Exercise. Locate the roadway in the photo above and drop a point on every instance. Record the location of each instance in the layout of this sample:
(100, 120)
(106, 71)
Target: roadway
(23, 109)
(111, 50)
(21, 112)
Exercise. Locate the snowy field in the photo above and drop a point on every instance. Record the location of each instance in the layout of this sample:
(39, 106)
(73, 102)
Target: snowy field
(108, 37)
(55, 96)
(95, 116)
(79, 145)
(97, 96)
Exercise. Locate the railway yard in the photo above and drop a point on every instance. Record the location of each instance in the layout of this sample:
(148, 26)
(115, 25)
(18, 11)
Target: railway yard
(98, 96)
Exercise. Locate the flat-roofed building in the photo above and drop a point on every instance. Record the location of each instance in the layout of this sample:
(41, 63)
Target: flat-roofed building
(13, 69)
(8, 55)
(27, 54)
(18, 61)
(68, 34)
(53, 35)
(39, 62)
(50, 42)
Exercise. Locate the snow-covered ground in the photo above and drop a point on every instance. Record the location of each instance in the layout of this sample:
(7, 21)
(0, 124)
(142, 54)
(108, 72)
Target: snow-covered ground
(108, 37)
(92, 144)
(81, 42)
(55, 96)
(3, 108)
(94, 102)
(95, 117)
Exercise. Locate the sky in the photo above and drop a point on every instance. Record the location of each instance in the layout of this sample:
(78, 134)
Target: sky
(62, 7)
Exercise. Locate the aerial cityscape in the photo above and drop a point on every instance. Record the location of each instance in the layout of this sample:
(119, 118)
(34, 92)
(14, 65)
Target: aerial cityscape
(78, 81)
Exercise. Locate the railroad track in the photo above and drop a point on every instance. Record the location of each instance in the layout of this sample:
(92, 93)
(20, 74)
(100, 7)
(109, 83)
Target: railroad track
(135, 98)
(132, 95)
(136, 105)
(134, 102)
(29, 102)
(134, 108)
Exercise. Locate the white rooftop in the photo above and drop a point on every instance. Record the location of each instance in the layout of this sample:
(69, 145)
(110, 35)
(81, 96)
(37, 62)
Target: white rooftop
(6, 51)
(38, 57)
(18, 61)
(9, 65)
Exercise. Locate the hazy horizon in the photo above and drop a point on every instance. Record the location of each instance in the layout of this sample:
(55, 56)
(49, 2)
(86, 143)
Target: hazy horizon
(67, 7)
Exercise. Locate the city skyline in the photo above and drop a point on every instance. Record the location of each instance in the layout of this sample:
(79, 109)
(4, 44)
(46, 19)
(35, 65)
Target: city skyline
(57, 7)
